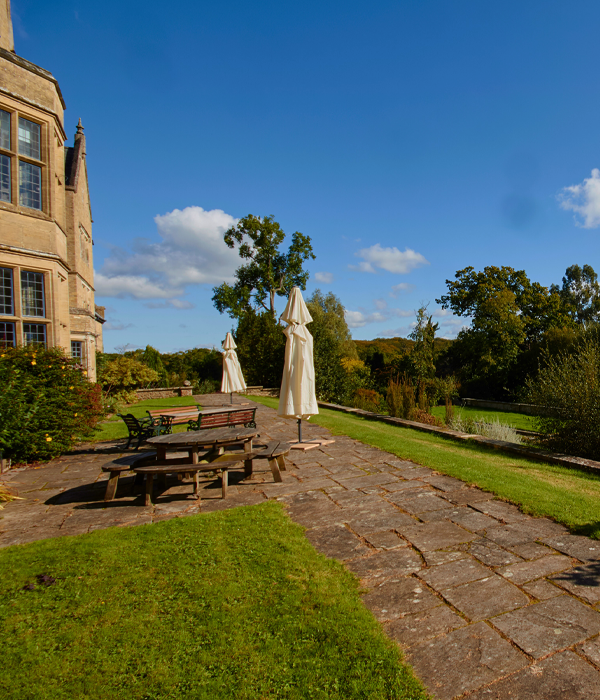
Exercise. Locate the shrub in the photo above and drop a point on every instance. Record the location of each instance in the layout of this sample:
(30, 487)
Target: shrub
(424, 417)
(400, 398)
(368, 400)
(46, 404)
(206, 386)
(568, 389)
(120, 377)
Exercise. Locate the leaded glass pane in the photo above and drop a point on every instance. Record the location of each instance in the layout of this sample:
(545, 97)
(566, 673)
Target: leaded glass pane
(30, 185)
(34, 334)
(29, 138)
(4, 179)
(7, 307)
(7, 334)
(76, 349)
(4, 130)
(32, 293)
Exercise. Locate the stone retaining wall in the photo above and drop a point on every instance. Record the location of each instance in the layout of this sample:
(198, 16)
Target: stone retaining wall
(163, 393)
(527, 408)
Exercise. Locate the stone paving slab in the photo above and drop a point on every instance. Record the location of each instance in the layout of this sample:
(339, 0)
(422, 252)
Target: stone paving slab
(582, 581)
(464, 660)
(397, 598)
(454, 573)
(561, 677)
(547, 627)
(409, 630)
(486, 598)
(526, 571)
(395, 524)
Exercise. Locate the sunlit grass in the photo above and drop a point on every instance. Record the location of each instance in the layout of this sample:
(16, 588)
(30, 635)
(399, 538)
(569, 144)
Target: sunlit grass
(235, 604)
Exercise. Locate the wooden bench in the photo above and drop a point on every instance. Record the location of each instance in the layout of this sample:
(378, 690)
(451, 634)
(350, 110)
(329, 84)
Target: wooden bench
(175, 415)
(275, 454)
(224, 418)
(183, 466)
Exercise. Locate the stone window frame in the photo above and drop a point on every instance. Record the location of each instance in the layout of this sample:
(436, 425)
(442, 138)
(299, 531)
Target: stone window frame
(17, 318)
(16, 158)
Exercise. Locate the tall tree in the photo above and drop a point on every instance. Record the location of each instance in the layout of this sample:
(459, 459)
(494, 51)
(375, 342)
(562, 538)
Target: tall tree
(580, 294)
(422, 353)
(470, 293)
(268, 272)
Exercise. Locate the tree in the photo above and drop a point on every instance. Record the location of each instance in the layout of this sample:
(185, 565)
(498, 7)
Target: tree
(122, 375)
(260, 348)
(151, 358)
(422, 353)
(470, 293)
(580, 294)
(332, 343)
(269, 271)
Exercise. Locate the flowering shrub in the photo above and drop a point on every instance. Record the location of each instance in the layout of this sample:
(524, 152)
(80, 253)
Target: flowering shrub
(46, 404)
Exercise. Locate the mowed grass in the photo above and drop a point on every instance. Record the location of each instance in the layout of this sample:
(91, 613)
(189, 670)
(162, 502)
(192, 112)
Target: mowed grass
(571, 496)
(515, 420)
(115, 428)
(233, 604)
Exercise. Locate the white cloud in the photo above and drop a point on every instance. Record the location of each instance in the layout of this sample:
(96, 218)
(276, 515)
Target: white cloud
(324, 277)
(132, 286)
(380, 304)
(402, 287)
(191, 251)
(584, 200)
(171, 303)
(389, 259)
(111, 326)
(358, 319)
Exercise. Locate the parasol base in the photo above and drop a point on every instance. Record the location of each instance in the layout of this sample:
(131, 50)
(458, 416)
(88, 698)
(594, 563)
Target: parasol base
(310, 445)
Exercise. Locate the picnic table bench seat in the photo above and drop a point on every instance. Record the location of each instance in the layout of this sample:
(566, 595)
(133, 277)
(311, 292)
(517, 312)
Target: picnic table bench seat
(224, 418)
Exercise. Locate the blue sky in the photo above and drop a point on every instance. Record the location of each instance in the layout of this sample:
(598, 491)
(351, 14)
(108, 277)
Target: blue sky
(407, 139)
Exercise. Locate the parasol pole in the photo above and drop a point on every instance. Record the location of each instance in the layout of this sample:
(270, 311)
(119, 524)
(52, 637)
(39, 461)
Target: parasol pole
(299, 429)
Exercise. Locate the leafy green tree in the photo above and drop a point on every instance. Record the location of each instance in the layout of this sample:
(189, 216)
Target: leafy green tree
(422, 355)
(332, 342)
(152, 358)
(580, 294)
(269, 272)
(260, 349)
(122, 375)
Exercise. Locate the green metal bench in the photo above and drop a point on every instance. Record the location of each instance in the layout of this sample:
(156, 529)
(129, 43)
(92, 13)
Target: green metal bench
(144, 428)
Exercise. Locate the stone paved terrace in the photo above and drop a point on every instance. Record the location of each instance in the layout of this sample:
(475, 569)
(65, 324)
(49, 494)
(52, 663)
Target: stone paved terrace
(487, 602)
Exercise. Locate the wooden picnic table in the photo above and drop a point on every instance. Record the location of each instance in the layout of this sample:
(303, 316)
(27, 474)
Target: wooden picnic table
(192, 442)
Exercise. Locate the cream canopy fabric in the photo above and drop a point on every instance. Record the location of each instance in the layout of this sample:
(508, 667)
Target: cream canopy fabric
(233, 379)
(297, 398)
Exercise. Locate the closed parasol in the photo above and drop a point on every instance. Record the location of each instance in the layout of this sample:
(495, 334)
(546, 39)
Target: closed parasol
(297, 398)
(233, 379)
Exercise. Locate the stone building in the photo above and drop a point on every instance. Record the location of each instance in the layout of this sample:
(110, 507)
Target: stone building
(46, 258)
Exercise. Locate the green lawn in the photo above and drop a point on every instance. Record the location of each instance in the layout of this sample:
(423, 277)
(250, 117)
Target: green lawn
(233, 604)
(515, 420)
(571, 496)
(115, 428)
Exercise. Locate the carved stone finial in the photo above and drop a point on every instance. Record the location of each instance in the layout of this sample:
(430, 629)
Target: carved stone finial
(79, 127)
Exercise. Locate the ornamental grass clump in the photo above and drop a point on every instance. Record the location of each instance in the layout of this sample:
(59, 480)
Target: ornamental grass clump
(46, 403)
(493, 429)
(400, 398)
